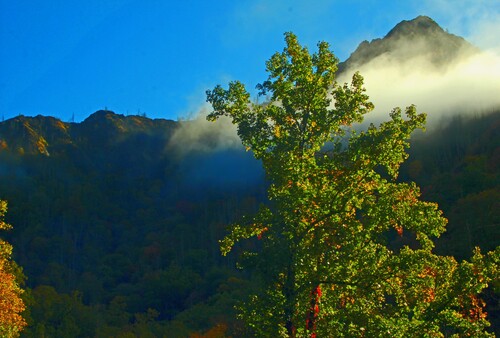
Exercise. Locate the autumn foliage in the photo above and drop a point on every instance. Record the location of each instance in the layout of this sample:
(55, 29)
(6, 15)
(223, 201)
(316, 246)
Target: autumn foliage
(11, 304)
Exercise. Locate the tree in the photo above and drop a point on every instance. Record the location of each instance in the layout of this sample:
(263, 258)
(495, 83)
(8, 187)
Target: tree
(11, 304)
(345, 250)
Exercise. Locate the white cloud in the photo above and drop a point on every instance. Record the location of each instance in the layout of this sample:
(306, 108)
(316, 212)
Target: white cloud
(470, 84)
(200, 135)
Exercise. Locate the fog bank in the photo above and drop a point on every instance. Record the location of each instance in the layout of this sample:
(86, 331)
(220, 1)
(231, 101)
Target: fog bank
(469, 84)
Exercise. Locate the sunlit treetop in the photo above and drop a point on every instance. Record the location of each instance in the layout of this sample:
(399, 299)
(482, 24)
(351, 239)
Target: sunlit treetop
(344, 249)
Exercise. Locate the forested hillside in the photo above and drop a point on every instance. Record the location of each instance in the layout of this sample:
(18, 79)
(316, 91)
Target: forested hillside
(117, 221)
(106, 209)
(124, 237)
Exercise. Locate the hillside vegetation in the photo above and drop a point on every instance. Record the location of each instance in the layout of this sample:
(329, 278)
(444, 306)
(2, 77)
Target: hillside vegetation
(117, 222)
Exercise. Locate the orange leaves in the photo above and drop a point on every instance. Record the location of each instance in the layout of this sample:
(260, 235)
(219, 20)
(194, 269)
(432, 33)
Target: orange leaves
(334, 174)
(429, 295)
(428, 272)
(344, 300)
(11, 304)
(259, 235)
(408, 196)
(473, 308)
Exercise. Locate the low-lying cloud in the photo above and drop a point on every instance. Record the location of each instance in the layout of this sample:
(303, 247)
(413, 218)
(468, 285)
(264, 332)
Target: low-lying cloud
(210, 154)
(200, 135)
(469, 84)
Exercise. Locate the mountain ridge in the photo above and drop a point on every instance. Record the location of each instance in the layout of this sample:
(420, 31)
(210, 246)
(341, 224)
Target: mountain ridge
(45, 134)
(409, 39)
(420, 37)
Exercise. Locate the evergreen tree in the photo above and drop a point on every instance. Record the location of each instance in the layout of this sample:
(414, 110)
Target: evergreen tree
(345, 250)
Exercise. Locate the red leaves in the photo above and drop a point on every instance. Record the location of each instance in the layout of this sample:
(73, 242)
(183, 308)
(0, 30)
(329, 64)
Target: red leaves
(259, 235)
(313, 310)
(400, 231)
(318, 291)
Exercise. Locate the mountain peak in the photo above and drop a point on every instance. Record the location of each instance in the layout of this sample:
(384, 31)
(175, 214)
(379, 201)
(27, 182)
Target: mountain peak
(420, 38)
(101, 115)
(420, 25)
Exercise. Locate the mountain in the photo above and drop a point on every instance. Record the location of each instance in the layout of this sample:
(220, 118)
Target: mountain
(48, 135)
(421, 37)
(117, 230)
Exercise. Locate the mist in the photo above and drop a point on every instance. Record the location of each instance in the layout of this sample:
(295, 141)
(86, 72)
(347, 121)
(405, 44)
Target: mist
(443, 77)
(210, 155)
(469, 84)
(201, 136)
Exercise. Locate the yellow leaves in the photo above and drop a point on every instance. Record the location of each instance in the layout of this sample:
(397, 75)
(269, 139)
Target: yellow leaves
(11, 304)
(310, 220)
(407, 196)
(428, 272)
(289, 120)
(345, 300)
(277, 131)
(368, 185)
(334, 173)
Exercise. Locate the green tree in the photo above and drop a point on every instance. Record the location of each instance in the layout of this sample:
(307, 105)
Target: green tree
(327, 259)
(11, 304)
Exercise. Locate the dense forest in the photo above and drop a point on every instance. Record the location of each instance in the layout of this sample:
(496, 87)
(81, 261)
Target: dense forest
(117, 222)
(123, 238)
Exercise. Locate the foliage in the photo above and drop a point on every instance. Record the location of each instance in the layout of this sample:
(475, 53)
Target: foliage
(110, 213)
(328, 260)
(11, 303)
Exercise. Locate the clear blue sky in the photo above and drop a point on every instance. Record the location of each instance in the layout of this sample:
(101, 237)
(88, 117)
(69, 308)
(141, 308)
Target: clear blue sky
(73, 57)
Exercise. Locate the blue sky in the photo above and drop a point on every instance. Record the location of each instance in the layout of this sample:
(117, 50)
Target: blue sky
(69, 58)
